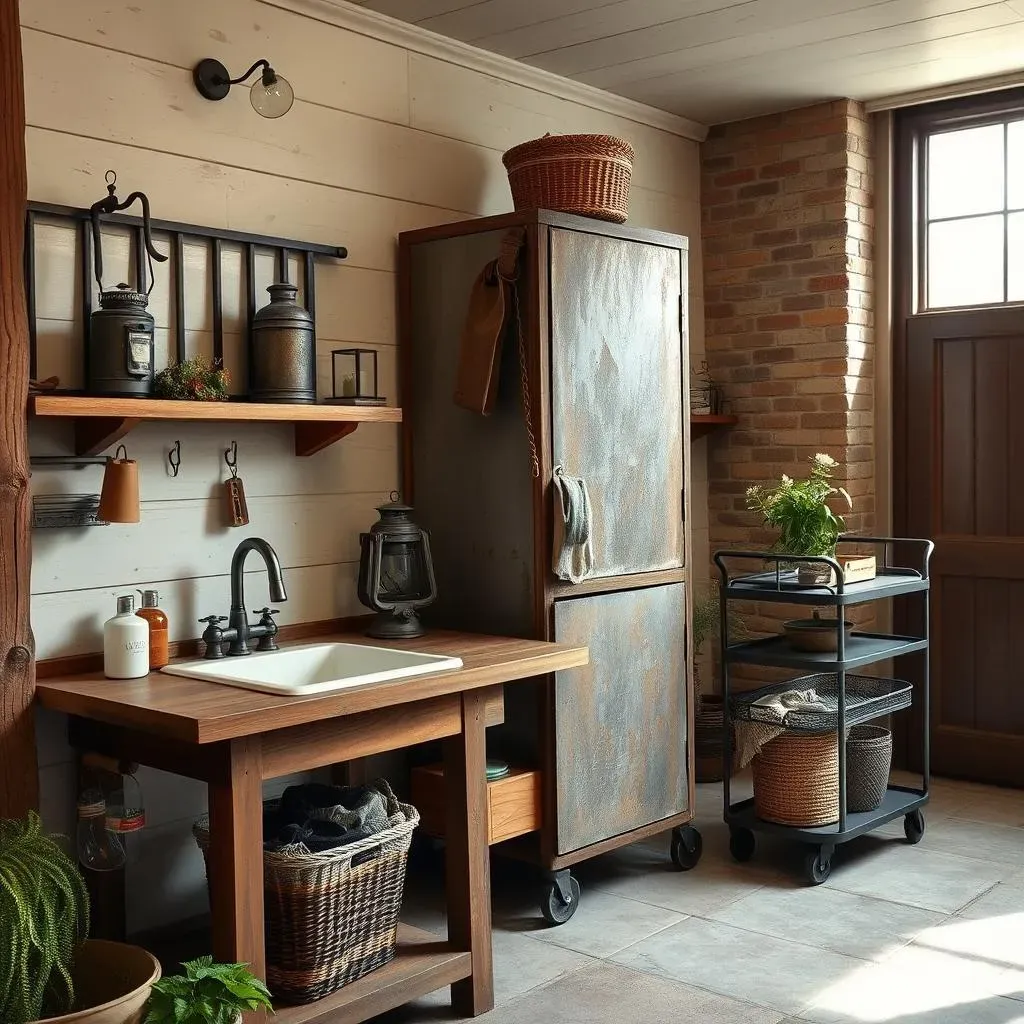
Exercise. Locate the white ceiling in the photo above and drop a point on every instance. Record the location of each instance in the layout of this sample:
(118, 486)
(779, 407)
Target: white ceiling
(721, 60)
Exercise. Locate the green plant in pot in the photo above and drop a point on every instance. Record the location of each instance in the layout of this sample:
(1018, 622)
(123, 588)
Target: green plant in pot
(807, 525)
(48, 969)
(207, 993)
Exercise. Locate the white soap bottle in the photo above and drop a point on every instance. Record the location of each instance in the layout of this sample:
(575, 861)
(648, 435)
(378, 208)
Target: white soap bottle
(126, 642)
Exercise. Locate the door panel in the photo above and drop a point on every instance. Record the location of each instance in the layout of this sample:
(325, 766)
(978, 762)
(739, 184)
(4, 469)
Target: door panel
(621, 721)
(964, 382)
(616, 393)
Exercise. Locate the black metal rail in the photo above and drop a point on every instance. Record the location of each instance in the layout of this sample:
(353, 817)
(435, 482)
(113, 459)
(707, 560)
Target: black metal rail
(177, 233)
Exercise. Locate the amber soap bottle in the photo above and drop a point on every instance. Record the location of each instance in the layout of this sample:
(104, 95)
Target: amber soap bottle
(157, 619)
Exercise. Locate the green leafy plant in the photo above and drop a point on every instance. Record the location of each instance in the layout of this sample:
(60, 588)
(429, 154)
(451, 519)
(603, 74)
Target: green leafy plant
(799, 510)
(44, 915)
(194, 380)
(207, 993)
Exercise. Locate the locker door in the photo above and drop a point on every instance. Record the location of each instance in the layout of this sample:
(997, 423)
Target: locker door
(616, 393)
(621, 721)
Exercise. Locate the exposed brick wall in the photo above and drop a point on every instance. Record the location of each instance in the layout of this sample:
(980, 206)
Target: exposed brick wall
(787, 222)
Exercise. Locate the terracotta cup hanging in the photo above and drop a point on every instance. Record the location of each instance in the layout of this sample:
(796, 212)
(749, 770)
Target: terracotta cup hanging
(119, 497)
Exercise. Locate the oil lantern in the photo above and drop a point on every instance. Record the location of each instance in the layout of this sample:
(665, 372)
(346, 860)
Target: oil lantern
(396, 575)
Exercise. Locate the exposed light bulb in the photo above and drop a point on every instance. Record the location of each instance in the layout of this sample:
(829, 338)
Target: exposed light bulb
(271, 95)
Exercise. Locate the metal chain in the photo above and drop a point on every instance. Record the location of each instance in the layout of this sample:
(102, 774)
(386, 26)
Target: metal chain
(524, 373)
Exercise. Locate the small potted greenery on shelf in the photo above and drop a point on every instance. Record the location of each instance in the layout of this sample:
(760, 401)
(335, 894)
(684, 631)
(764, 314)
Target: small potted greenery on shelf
(807, 526)
(207, 993)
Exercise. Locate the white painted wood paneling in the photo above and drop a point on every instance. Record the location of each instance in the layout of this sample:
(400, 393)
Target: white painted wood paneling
(722, 60)
(382, 139)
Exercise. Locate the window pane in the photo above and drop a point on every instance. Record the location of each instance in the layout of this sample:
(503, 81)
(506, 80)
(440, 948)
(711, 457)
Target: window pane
(965, 262)
(1015, 258)
(1015, 160)
(965, 172)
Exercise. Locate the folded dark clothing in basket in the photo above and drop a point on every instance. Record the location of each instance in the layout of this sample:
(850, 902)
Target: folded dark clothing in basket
(322, 818)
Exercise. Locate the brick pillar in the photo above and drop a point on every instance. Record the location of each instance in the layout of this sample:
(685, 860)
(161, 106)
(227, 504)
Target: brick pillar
(787, 223)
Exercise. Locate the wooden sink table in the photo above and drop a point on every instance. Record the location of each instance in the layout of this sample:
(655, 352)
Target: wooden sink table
(233, 739)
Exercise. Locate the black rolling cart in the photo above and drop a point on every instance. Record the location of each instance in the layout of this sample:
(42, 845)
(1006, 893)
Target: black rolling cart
(850, 698)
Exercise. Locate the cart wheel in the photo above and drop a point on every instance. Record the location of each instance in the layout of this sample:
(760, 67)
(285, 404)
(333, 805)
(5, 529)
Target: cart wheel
(818, 865)
(554, 907)
(686, 847)
(741, 844)
(913, 827)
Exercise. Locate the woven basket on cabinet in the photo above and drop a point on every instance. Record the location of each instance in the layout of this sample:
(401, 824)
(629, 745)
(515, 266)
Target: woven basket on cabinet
(584, 174)
(796, 779)
(327, 921)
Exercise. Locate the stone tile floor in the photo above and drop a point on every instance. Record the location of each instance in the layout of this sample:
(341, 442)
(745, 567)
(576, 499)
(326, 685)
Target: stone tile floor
(927, 934)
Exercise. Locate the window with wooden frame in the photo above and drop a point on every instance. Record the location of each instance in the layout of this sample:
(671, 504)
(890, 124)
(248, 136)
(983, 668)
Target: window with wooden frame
(968, 163)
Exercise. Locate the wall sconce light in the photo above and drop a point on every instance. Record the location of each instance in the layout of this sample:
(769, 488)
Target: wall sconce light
(271, 95)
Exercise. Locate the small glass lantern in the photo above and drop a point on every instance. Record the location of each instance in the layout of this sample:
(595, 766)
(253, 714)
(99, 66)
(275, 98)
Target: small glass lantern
(705, 394)
(354, 377)
(396, 574)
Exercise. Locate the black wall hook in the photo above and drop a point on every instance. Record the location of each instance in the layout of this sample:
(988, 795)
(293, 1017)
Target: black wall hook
(174, 458)
(231, 458)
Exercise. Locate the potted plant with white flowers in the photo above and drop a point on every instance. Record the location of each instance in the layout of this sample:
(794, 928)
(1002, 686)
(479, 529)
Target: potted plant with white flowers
(808, 526)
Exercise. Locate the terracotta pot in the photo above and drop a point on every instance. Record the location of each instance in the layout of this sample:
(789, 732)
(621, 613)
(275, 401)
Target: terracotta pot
(113, 980)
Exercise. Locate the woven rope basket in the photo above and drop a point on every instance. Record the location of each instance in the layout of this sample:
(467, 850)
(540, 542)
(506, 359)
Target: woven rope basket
(328, 922)
(796, 779)
(868, 760)
(584, 174)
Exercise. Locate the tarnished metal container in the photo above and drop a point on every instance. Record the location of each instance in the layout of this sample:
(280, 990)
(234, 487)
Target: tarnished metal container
(282, 350)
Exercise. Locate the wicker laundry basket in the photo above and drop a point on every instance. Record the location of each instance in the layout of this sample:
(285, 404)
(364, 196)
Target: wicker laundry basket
(796, 779)
(329, 921)
(708, 738)
(584, 174)
(868, 760)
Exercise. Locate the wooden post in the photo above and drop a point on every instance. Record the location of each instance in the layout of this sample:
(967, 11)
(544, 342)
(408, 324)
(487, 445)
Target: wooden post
(19, 781)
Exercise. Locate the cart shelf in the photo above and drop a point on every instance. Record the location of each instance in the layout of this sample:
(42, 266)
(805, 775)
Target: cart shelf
(867, 697)
(897, 802)
(861, 649)
(783, 586)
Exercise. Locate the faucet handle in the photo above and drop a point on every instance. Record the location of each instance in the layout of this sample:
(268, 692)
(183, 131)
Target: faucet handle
(213, 636)
(266, 612)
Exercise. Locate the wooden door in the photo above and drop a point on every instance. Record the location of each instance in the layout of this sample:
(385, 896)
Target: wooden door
(962, 475)
(621, 721)
(617, 364)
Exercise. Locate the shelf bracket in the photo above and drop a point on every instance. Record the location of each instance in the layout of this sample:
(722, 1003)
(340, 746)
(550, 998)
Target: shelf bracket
(95, 434)
(313, 437)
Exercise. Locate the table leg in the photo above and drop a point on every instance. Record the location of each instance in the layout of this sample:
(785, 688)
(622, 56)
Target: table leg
(467, 857)
(235, 862)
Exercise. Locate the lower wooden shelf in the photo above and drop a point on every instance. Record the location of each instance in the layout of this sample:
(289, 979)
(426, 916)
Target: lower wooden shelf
(513, 803)
(423, 963)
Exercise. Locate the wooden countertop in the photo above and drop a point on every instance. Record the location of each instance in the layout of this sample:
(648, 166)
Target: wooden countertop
(203, 712)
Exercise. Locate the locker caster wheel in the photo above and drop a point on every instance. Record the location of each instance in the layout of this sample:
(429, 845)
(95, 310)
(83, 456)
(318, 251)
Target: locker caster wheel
(561, 899)
(741, 844)
(913, 827)
(818, 864)
(686, 847)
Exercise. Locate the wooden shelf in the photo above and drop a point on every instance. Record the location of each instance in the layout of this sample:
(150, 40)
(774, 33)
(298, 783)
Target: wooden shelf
(702, 425)
(102, 422)
(424, 962)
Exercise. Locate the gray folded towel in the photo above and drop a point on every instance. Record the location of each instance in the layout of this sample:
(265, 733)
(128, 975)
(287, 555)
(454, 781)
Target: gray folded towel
(752, 736)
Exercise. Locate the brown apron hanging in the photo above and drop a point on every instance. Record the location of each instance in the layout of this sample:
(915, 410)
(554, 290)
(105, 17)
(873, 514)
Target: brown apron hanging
(476, 382)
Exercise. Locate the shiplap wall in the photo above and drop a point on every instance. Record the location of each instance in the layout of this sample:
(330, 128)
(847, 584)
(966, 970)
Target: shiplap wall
(380, 139)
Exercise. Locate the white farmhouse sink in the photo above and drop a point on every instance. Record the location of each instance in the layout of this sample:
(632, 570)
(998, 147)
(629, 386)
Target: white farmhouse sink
(314, 668)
